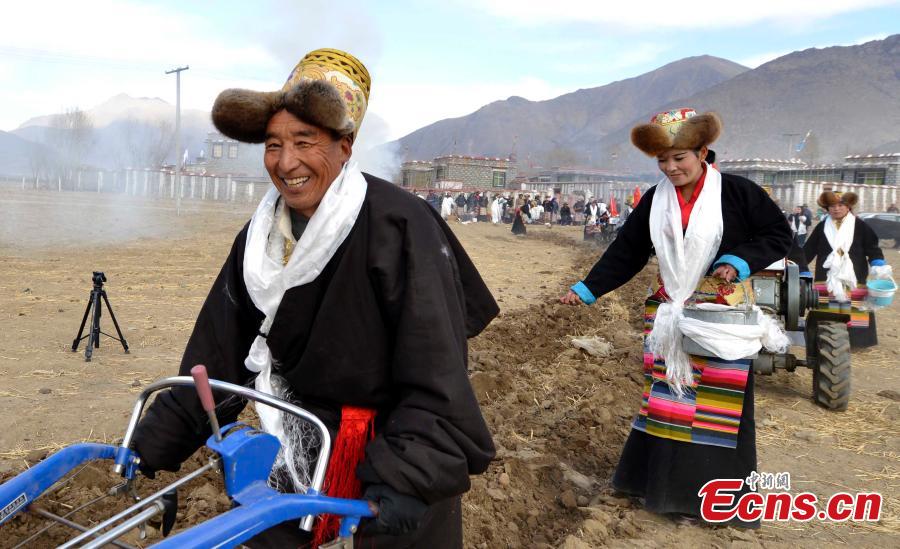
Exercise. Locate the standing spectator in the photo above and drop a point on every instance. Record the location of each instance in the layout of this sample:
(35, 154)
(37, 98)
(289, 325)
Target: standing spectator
(578, 209)
(893, 209)
(472, 203)
(591, 212)
(809, 215)
(565, 214)
(626, 211)
(434, 200)
(526, 207)
(798, 225)
(447, 206)
(537, 212)
(518, 226)
(461, 203)
(496, 210)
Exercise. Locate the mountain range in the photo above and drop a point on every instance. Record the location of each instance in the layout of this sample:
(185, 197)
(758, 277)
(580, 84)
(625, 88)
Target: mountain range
(127, 132)
(845, 98)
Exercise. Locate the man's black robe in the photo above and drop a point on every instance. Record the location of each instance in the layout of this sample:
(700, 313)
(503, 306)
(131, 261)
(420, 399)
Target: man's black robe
(384, 327)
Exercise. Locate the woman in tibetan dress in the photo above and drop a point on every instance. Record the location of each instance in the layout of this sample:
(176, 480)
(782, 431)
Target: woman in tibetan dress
(710, 231)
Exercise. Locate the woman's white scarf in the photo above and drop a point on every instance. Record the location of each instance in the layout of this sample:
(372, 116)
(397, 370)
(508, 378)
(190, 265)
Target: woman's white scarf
(267, 278)
(840, 268)
(684, 257)
(495, 211)
(446, 207)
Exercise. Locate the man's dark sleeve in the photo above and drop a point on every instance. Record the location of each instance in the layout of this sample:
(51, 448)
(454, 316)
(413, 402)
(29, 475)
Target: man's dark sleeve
(434, 437)
(770, 234)
(870, 242)
(175, 424)
(811, 247)
(627, 254)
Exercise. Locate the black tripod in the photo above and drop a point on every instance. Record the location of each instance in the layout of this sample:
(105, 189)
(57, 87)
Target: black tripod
(94, 334)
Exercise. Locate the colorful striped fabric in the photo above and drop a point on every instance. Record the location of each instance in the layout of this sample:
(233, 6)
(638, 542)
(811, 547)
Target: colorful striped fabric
(711, 414)
(858, 317)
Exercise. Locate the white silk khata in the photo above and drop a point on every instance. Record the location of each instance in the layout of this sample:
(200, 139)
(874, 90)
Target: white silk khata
(841, 275)
(267, 279)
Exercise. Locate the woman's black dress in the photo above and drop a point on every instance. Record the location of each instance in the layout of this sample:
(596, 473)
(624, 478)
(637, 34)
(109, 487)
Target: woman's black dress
(518, 224)
(668, 474)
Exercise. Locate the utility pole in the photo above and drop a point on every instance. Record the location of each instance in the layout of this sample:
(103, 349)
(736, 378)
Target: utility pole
(178, 136)
(791, 137)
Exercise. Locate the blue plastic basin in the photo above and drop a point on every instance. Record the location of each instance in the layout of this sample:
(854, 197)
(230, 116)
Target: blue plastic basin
(881, 292)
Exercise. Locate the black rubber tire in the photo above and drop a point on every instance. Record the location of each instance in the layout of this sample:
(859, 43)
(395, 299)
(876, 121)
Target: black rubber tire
(831, 376)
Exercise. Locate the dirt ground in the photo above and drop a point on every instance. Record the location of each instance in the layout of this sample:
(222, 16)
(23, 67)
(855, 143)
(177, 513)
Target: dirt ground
(559, 416)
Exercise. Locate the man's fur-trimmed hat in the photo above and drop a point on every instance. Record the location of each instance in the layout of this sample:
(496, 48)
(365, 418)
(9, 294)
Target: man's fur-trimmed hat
(830, 198)
(328, 89)
(676, 129)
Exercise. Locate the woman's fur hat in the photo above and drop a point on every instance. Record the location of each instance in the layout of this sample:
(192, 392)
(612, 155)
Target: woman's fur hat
(829, 198)
(676, 129)
(328, 89)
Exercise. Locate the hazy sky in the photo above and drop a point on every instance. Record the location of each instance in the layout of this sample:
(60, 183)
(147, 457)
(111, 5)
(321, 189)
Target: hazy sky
(428, 59)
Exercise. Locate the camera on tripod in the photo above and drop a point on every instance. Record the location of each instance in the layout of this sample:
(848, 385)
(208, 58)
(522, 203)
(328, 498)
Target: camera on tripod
(98, 296)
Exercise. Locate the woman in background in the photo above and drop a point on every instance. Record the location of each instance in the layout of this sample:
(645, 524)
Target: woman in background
(845, 247)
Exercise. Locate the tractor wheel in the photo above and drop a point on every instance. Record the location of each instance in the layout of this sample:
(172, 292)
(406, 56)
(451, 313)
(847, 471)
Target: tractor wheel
(831, 376)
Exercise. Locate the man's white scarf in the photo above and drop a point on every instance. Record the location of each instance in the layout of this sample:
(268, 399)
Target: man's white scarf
(267, 278)
(840, 268)
(684, 257)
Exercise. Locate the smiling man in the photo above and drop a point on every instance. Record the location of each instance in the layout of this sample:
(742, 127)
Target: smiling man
(352, 298)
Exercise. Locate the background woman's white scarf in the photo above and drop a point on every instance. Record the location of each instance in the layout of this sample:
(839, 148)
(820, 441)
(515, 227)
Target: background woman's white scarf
(495, 211)
(684, 257)
(267, 278)
(840, 268)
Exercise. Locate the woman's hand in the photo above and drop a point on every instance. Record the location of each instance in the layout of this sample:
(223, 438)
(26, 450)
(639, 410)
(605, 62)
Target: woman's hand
(726, 273)
(570, 298)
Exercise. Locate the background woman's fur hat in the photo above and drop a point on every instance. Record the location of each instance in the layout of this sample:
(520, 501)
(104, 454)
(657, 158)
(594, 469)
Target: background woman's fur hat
(829, 198)
(676, 129)
(328, 88)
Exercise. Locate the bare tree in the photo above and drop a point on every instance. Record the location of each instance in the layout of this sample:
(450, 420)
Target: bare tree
(39, 162)
(144, 145)
(72, 135)
(162, 143)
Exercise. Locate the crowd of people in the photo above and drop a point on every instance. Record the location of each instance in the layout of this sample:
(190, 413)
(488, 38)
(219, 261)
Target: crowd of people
(521, 209)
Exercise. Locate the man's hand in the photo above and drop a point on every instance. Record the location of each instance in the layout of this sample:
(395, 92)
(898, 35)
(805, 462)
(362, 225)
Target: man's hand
(726, 273)
(570, 298)
(398, 513)
(146, 470)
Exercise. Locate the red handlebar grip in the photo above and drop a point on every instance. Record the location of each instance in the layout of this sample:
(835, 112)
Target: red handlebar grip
(201, 381)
